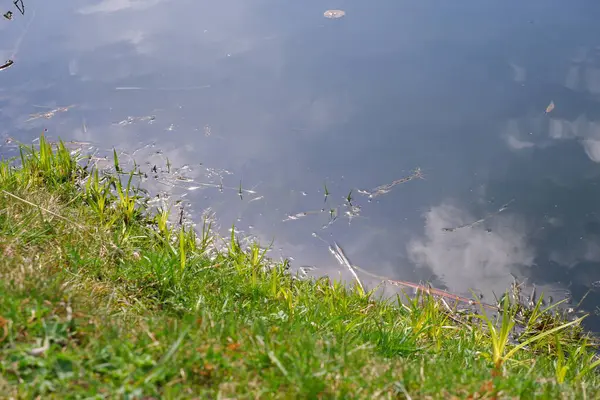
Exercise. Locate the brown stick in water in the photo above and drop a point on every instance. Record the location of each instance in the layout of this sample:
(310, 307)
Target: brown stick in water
(439, 292)
(428, 290)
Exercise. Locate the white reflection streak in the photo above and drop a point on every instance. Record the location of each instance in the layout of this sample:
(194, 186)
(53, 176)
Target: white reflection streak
(339, 255)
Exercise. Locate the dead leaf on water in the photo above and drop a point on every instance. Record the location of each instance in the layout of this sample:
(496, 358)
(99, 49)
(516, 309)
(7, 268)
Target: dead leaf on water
(550, 107)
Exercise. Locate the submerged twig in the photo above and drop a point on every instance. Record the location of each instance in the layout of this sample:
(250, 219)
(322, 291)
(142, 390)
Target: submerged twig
(130, 120)
(472, 224)
(427, 289)
(383, 189)
(49, 114)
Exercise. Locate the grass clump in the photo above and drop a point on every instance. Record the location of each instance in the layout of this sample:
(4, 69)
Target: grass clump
(101, 298)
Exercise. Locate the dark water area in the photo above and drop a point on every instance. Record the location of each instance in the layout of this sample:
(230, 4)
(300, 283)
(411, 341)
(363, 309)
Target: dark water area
(496, 103)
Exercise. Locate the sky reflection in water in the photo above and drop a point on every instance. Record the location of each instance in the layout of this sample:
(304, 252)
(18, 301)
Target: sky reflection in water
(275, 96)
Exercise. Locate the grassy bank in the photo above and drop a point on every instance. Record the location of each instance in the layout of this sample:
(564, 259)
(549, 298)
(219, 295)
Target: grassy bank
(99, 298)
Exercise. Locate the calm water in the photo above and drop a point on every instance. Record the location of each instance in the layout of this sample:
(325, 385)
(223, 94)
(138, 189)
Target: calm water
(275, 96)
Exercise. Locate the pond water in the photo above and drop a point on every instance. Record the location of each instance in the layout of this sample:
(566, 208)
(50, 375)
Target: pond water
(491, 108)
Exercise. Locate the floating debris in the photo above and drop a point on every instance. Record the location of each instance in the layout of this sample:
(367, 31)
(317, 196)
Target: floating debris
(334, 14)
(49, 114)
(550, 107)
(472, 224)
(6, 65)
(383, 189)
(299, 215)
(130, 120)
(195, 185)
(352, 212)
(144, 147)
(333, 216)
(216, 172)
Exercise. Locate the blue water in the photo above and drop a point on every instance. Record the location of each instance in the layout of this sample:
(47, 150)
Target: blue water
(272, 95)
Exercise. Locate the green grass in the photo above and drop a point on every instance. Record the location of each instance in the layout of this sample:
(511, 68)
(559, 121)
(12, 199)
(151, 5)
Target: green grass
(102, 298)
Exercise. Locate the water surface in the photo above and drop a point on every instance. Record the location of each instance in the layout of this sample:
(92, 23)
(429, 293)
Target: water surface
(275, 97)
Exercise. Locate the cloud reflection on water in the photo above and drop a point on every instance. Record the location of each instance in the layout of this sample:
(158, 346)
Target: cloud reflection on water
(295, 101)
(576, 115)
(479, 257)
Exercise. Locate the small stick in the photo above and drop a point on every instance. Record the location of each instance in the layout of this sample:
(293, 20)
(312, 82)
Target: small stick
(428, 290)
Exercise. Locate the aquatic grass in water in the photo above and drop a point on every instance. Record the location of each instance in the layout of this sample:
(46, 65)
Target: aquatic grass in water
(207, 236)
(349, 198)
(51, 167)
(500, 335)
(138, 306)
(98, 195)
(116, 160)
(127, 200)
